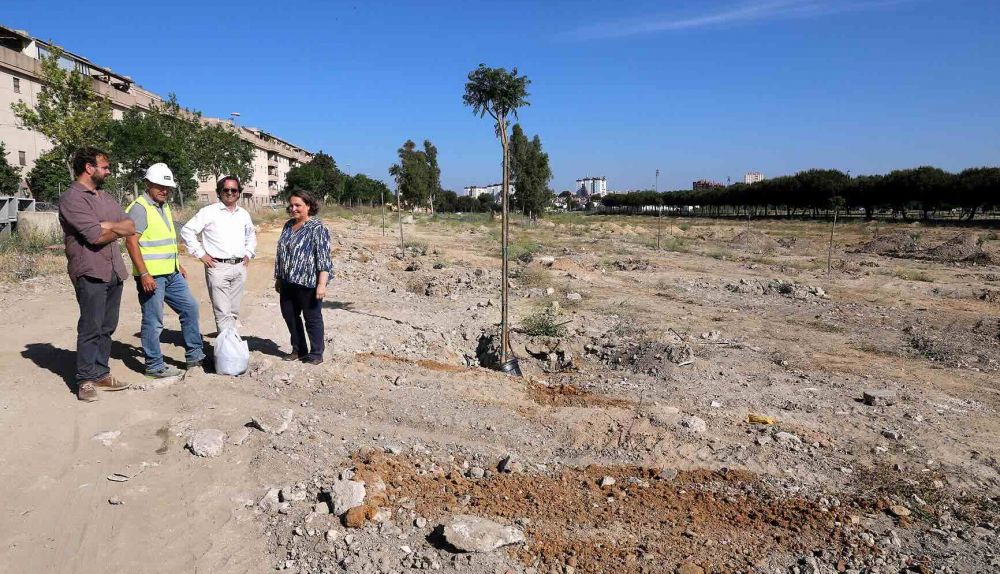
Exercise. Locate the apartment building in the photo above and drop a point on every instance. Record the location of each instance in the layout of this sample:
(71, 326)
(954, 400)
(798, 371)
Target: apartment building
(752, 177)
(21, 80)
(494, 189)
(588, 186)
(273, 158)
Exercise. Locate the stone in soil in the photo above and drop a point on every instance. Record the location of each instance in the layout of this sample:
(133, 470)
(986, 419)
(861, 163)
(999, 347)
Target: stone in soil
(694, 424)
(879, 398)
(346, 494)
(106, 437)
(273, 422)
(207, 442)
(356, 517)
(899, 511)
(689, 568)
(510, 465)
(475, 534)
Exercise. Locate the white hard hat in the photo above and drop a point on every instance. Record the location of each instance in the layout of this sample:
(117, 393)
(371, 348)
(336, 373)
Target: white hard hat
(160, 174)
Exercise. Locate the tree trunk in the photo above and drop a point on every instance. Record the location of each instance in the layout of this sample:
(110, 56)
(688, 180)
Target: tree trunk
(504, 333)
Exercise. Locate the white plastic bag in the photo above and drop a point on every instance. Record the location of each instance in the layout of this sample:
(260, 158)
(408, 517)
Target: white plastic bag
(232, 356)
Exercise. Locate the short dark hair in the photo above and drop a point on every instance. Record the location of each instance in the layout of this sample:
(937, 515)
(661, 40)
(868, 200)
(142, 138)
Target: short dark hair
(83, 156)
(222, 183)
(306, 198)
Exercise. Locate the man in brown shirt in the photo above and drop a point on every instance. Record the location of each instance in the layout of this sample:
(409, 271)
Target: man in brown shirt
(93, 222)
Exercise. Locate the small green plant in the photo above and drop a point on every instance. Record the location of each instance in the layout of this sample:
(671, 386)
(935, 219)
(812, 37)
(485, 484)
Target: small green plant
(544, 324)
(535, 277)
(522, 250)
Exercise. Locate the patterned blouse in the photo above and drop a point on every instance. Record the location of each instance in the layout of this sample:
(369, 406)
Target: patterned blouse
(303, 254)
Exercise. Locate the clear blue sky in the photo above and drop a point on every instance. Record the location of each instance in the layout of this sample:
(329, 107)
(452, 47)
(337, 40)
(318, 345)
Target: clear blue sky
(698, 89)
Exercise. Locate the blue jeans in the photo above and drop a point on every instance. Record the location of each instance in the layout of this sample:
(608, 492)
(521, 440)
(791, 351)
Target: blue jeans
(172, 289)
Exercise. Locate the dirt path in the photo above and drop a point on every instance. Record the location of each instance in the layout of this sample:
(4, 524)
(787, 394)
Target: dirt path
(661, 357)
(178, 514)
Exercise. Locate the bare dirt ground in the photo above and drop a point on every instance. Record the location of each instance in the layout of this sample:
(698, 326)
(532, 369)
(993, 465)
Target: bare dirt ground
(626, 446)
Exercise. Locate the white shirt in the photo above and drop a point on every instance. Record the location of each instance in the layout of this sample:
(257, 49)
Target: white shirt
(224, 234)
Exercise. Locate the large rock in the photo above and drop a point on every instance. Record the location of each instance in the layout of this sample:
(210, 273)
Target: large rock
(345, 495)
(274, 423)
(475, 534)
(207, 442)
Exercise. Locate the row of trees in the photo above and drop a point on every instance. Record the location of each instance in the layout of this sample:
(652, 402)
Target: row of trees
(71, 115)
(924, 189)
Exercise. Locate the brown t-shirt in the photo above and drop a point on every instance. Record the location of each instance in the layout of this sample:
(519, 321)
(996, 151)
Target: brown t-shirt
(81, 212)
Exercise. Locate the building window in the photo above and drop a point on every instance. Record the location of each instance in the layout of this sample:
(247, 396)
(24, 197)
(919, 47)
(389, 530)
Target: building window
(21, 158)
(203, 178)
(17, 85)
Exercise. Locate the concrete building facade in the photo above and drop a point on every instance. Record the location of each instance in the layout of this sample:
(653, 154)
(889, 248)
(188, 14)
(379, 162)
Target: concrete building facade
(752, 177)
(272, 159)
(21, 80)
(588, 186)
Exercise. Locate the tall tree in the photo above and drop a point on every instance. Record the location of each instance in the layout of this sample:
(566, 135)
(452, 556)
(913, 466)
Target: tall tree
(219, 151)
(164, 133)
(433, 172)
(413, 173)
(49, 178)
(499, 93)
(320, 176)
(67, 111)
(10, 176)
(530, 172)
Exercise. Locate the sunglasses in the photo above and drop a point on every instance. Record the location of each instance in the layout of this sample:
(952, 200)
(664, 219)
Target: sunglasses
(230, 191)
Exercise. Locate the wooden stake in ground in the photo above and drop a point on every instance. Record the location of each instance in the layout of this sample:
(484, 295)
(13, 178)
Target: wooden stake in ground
(837, 202)
(748, 229)
(399, 209)
(382, 193)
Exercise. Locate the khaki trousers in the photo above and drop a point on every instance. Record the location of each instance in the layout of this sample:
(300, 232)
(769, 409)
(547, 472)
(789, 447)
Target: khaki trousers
(225, 289)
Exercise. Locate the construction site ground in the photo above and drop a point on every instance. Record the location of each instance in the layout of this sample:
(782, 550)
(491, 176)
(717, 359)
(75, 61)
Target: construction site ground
(721, 404)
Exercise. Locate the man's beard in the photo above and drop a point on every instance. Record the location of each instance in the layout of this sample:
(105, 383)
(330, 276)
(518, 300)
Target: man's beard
(98, 181)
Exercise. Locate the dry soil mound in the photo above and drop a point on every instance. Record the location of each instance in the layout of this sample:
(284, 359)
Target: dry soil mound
(892, 244)
(962, 247)
(754, 241)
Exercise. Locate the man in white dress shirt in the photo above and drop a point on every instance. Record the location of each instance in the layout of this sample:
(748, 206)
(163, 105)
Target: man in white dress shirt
(228, 241)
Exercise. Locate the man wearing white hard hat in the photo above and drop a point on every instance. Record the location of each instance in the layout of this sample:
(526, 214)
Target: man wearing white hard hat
(159, 276)
(228, 241)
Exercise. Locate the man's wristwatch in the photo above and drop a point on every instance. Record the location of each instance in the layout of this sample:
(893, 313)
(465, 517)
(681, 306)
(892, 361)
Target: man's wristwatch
(144, 273)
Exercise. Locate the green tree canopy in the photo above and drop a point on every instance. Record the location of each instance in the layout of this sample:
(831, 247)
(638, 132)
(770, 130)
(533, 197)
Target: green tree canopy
(67, 110)
(49, 178)
(530, 172)
(10, 176)
(320, 177)
(414, 174)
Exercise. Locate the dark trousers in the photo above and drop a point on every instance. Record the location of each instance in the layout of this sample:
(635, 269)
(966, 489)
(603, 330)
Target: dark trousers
(299, 303)
(99, 303)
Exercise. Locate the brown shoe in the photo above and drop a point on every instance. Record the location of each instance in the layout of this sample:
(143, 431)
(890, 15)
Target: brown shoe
(291, 357)
(109, 383)
(86, 391)
(313, 360)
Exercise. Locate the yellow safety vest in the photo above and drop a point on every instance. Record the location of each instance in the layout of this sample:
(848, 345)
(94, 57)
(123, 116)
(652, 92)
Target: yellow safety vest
(158, 242)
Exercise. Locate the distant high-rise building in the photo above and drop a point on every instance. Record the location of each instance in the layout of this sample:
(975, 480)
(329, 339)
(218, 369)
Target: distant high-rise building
(493, 189)
(592, 186)
(753, 177)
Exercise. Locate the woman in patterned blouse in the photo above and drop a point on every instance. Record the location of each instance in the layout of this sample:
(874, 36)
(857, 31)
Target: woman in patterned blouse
(301, 271)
